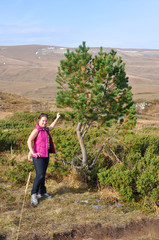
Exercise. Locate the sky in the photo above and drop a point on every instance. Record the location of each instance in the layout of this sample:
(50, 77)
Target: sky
(67, 23)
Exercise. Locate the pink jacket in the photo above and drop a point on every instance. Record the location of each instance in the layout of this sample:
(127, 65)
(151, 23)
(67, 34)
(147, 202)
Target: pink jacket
(41, 142)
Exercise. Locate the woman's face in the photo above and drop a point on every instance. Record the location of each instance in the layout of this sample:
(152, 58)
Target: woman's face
(43, 122)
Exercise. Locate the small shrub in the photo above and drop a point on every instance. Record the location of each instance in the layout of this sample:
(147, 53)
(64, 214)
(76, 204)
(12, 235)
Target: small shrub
(138, 176)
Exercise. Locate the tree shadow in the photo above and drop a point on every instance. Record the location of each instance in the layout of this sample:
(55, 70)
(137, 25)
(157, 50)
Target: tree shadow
(64, 189)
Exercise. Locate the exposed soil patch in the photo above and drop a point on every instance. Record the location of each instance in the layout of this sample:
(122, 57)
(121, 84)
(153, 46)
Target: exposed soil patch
(145, 229)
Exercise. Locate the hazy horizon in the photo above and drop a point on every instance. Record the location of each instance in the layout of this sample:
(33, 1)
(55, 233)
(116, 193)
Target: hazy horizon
(133, 49)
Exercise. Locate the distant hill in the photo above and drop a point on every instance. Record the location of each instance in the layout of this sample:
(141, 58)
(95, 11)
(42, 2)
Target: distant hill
(30, 71)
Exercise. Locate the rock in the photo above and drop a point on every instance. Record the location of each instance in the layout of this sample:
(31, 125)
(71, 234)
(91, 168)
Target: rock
(99, 207)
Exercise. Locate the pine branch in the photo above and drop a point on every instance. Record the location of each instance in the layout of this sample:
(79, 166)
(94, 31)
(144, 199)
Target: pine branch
(65, 162)
(69, 163)
(113, 135)
(88, 126)
(84, 125)
(94, 161)
(115, 156)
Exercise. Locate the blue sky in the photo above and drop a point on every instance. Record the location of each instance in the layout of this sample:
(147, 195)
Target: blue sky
(67, 23)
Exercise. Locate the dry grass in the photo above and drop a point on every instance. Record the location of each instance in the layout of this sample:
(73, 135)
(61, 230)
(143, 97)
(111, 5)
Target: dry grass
(67, 208)
(71, 205)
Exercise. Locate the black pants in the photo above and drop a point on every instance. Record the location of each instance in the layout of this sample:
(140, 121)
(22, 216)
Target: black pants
(40, 165)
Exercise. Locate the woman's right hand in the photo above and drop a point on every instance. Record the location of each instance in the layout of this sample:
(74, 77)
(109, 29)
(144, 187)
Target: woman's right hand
(36, 155)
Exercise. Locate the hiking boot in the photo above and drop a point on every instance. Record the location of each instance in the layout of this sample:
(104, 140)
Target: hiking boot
(34, 200)
(45, 195)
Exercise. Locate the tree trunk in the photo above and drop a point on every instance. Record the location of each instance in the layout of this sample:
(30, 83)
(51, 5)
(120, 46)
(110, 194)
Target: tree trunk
(82, 145)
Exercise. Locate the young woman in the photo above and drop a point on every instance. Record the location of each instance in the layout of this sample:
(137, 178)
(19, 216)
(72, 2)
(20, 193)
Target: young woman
(40, 145)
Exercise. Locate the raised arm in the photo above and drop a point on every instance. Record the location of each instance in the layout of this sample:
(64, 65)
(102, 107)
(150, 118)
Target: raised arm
(52, 125)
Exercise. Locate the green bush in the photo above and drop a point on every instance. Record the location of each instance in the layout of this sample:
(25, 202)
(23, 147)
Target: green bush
(138, 176)
(19, 172)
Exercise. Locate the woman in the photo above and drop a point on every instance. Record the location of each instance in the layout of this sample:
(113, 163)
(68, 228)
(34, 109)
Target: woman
(40, 145)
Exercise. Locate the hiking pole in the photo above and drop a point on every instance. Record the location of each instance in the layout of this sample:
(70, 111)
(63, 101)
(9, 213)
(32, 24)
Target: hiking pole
(20, 219)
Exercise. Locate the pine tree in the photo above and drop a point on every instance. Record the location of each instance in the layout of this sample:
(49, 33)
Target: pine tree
(95, 88)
